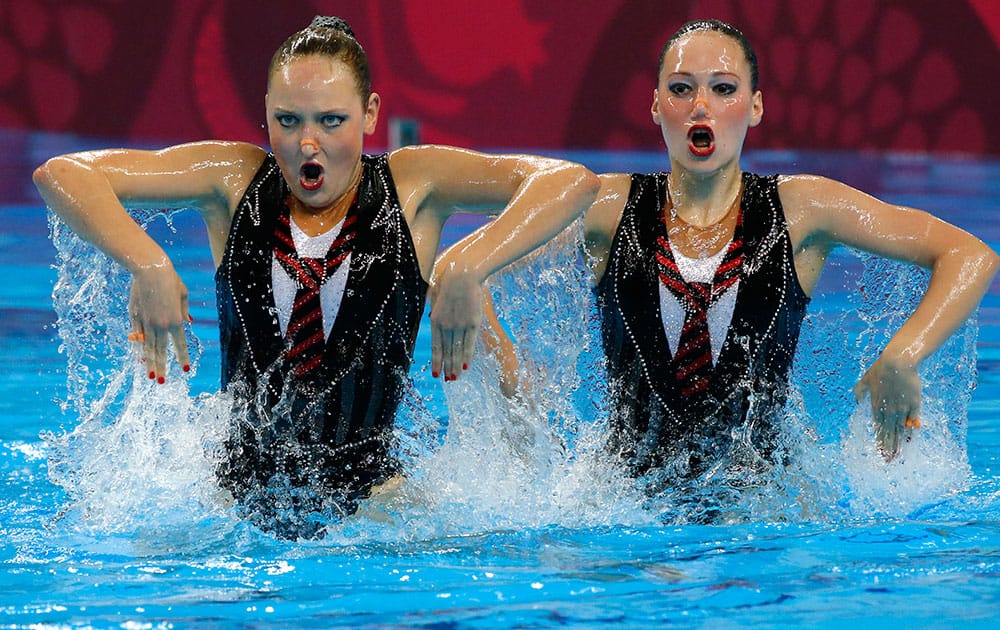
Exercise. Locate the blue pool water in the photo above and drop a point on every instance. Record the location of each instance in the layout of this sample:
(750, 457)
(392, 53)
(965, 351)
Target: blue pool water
(112, 521)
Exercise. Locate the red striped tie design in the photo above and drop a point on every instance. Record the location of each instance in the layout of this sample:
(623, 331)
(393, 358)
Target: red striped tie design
(692, 360)
(305, 328)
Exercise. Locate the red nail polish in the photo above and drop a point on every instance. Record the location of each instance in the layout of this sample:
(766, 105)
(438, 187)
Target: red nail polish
(454, 377)
(161, 380)
(190, 319)
(434, 374)
(152, 375)
(465, 366)
(186, 368)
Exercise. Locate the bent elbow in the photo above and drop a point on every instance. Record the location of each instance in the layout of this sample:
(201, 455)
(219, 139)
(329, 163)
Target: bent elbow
(992, 261)
(585, 183)
(591, 183)
(42, 176)
(53, 173)
(978, 264)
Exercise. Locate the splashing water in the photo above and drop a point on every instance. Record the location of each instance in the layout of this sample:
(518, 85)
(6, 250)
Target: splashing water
(142, 457)
(534, 459)
(835, 350)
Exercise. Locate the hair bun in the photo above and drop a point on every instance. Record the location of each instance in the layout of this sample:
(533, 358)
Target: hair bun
(331, 21)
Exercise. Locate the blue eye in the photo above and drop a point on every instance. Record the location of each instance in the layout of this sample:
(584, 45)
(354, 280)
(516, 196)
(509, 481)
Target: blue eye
(679, 89)
(286, 120)
(332, 120)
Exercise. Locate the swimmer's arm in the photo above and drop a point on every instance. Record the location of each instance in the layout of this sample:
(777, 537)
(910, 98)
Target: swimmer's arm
(599, 225)
(961, 265)
(829, 213)
(540, 197)
(89, 192)
(500, 345)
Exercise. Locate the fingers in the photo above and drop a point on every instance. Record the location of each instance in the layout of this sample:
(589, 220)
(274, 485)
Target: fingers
(155, 351)
(180, 339)
(436, 358)
(468, 347)
(451, 352)
(892, 428)
(180, 347)
(447, 355)
(887, 440)
(154, 348)
(458, 348)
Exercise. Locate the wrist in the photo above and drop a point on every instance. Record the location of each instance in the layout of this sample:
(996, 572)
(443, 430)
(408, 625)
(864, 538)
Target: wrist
(459, 265)
(901, 356)
(147, 265)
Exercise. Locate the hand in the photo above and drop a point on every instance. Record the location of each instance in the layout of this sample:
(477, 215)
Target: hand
(456, 311)
(158, 308)
(894, 387)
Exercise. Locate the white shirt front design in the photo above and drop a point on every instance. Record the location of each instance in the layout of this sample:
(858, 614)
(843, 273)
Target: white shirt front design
(720, 314)
(332, 291)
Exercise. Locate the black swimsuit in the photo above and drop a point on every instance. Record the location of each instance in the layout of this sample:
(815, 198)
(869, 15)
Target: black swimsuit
(650, 418)
(330, 434)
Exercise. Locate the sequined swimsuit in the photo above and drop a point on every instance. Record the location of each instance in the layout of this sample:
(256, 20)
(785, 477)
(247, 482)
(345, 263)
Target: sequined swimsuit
(651, 421)
(334, 432)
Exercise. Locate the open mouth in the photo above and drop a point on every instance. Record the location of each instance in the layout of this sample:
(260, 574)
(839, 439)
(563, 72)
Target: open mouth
(701, 141)
(311, 176)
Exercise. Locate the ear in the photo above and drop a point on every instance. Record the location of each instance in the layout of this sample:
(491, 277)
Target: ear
(758, 109)
(655, 109)
(371, 113)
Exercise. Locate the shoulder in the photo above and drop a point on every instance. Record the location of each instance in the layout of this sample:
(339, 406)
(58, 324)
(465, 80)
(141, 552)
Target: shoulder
(600, 223)
(802, 195)
(237, 163)
(603, 216)
(234, 158)
(230, 165)
(415, 168)
(424, 162)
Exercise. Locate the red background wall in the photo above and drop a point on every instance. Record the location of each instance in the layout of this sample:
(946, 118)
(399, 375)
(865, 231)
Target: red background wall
(921, 75)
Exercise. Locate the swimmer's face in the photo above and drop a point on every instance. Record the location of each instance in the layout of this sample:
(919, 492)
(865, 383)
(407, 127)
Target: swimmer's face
(316, 123)
(703, 102)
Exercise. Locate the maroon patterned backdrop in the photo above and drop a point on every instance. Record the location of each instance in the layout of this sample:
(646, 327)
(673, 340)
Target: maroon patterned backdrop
(896, 75)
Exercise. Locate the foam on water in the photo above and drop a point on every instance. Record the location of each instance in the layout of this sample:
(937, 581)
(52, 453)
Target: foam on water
(140, 457)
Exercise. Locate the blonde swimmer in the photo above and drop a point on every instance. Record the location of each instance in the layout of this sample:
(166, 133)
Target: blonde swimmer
(325, 256)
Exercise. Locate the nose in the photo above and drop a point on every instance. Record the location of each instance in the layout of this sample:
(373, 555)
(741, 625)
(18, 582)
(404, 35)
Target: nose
(309, 146)
(699, 108)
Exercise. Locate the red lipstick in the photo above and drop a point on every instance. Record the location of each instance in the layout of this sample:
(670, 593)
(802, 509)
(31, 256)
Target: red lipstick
(311, 176)
(701, 140)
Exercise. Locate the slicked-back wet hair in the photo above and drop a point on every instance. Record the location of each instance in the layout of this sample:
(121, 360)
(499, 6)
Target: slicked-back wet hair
(327, 37)
(717, 26)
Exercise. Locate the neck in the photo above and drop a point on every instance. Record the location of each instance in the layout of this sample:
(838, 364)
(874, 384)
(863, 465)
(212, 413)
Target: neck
(315, 221)
(703, 200)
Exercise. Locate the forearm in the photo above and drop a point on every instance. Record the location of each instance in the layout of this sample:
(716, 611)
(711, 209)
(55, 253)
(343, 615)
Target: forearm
(543, 206)
(958, 283)
(84, 199)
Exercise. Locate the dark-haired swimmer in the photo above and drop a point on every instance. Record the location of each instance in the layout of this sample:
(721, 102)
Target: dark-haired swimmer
(704, 273)
(324, 258)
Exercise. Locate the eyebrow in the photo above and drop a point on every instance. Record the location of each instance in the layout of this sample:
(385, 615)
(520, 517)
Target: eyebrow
(713, 74)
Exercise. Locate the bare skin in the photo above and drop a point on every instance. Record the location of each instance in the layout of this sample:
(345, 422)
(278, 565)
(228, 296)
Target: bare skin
(316, 115)
(706, 83)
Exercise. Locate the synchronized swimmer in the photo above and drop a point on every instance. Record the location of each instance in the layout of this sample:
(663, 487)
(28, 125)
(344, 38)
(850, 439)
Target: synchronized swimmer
(704, 272)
